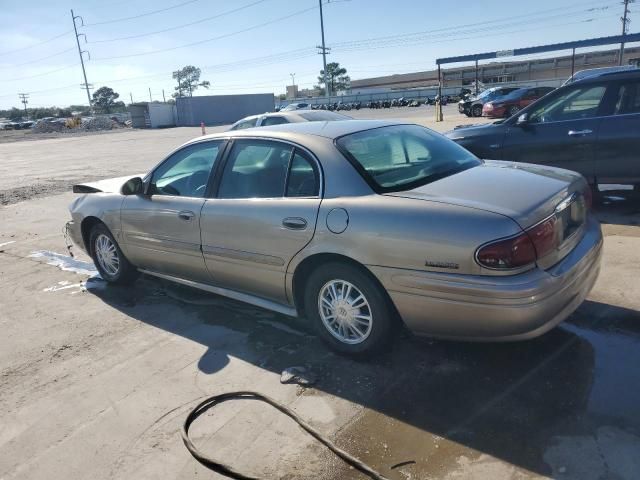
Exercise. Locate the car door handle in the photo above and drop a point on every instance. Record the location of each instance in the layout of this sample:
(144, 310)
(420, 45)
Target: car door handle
(579, 133)
(294, 223)
(186, 215)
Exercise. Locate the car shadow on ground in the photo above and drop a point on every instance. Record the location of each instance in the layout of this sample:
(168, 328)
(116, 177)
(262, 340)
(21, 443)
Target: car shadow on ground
(618, 207)
(507, 400)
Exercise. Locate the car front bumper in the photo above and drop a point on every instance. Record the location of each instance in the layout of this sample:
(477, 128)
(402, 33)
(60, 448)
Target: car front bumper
(495, 308)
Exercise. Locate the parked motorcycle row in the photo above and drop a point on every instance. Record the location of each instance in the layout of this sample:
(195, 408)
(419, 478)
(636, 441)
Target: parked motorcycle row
(387, 103)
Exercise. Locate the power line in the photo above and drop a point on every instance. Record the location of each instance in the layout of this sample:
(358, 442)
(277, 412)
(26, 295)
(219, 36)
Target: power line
(207, 40)
(36, 44)
(115, 20)
(431, 41)
(39, 74)
(40, 59)
(177, 27)
(452, 31)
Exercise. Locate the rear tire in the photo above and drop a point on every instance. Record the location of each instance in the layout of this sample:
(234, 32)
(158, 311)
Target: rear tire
(108, 258)
(350, 312)
(476, 110)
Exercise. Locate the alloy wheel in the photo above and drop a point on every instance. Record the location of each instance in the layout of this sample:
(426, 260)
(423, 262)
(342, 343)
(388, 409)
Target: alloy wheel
(345, 312)
(107, 254)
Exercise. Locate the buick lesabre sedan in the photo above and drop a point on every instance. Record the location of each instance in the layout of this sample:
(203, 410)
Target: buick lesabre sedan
(361, 227)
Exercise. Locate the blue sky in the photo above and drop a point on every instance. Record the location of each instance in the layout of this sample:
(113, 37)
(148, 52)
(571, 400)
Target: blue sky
(237, 55)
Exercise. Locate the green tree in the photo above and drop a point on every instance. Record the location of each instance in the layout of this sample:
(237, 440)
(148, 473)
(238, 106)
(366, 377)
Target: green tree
(104, 99)
(188, 80)
(337, 78)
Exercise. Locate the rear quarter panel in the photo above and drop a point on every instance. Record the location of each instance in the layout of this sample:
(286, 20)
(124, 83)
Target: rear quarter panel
(407, 233)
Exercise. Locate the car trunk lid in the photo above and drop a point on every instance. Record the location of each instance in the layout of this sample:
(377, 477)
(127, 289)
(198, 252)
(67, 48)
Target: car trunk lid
(528, 194)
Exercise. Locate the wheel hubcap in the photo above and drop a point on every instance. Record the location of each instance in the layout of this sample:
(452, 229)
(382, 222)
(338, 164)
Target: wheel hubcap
(107, 255)
(345, 312)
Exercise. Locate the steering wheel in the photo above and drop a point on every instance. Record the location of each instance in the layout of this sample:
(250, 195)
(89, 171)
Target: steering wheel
(197, 182)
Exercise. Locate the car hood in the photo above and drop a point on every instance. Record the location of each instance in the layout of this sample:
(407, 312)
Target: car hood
(523, 192)
(109, 185)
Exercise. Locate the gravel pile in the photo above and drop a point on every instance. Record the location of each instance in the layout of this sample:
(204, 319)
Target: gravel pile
(97, 123)
(48, 127)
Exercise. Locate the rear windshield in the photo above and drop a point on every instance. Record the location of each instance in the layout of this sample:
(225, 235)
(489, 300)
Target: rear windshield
(322, 116)
(402, 157)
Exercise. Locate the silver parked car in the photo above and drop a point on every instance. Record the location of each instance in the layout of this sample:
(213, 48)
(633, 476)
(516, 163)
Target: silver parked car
(279, 118)
(359, 226)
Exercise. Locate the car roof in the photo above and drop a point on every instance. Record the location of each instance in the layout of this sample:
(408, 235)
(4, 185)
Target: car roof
(330, 130)
(628, 74)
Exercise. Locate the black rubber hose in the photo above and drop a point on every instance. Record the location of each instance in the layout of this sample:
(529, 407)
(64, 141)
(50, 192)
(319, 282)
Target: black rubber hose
(223, 469)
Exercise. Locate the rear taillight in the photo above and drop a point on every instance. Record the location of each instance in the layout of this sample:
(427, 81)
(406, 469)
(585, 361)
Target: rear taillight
(522, 250)
(506, 254)
(544, 236)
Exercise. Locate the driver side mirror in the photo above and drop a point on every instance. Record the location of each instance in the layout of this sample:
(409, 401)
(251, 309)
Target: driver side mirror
(134, 186)
(523, 119)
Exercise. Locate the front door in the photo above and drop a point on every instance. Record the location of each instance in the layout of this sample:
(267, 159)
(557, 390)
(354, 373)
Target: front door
(618, 150)
(264, 212)
(561, 131)
(161, 229)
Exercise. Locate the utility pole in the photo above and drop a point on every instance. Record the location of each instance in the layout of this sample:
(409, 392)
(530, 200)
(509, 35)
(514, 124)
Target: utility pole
(293, 78)
(150, 99)
(324, 51)
(80, 52)
(625, 24)
(163, 98)
(24, 99)
(131, 97)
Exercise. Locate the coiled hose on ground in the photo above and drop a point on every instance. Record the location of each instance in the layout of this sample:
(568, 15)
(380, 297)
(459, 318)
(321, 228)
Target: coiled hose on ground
(227, 470)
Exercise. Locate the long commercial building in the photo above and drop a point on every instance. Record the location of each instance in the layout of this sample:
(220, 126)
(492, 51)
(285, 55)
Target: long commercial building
(554, 68)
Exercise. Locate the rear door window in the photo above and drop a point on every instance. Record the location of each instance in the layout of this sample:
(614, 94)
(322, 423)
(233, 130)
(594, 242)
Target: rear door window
(255, 169)
(304, 178)
(628, 100)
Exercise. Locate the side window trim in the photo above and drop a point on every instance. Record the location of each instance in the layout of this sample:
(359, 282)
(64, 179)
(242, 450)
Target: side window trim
(148, 179)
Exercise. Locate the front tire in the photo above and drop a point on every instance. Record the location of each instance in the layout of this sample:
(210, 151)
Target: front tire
(108, 258)
(349, 310)
(476, 111)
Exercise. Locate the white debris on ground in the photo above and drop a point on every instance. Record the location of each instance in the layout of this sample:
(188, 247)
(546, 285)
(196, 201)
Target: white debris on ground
(298, 375)
(67, 263)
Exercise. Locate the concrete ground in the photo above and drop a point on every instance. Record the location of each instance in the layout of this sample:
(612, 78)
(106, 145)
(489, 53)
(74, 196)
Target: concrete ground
(96, 381)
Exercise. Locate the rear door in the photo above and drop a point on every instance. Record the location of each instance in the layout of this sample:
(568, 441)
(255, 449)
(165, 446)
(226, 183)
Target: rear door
(264, 212)
(161, 229)
(561, 130)
(618, 146)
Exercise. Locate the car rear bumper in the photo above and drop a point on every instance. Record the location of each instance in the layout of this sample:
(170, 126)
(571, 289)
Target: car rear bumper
(495, 308)
(495, 113)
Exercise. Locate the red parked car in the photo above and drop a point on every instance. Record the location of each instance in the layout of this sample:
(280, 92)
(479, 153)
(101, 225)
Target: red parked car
(515, 101)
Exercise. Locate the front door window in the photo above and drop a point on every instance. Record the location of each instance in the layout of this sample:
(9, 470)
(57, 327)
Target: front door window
(186, 173)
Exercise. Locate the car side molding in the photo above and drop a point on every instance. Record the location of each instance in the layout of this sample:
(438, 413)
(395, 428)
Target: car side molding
(239, 296)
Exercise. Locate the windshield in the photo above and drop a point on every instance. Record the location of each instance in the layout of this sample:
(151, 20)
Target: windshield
(486, 93)
(402, 157)
(515, 94)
